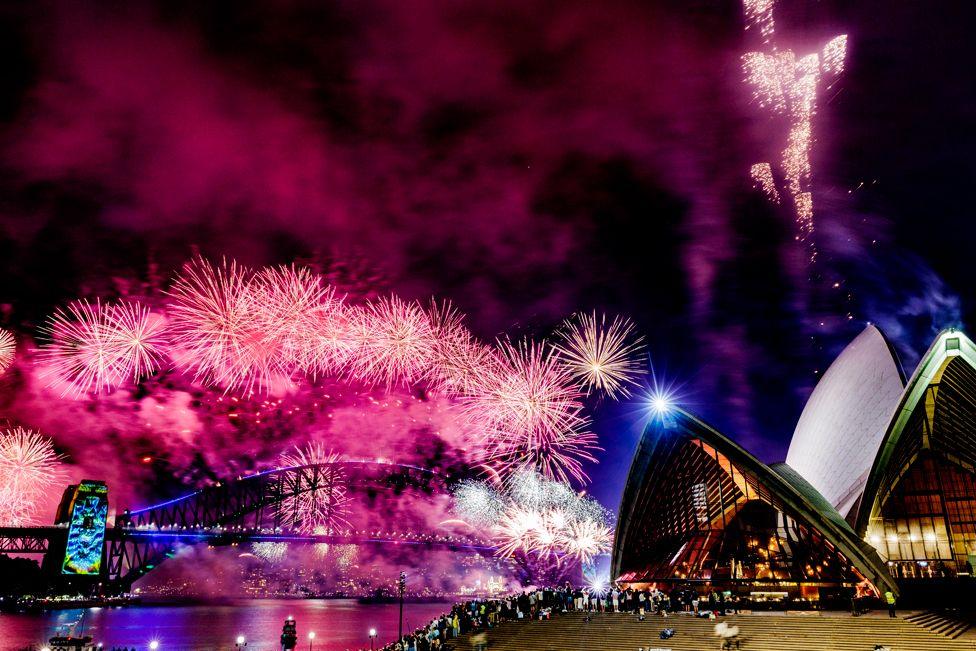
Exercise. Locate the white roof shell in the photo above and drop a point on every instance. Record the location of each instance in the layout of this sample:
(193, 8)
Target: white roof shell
(845, 419)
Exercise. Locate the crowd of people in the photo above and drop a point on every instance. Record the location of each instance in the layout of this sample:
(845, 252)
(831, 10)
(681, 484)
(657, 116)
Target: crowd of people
(480, 615)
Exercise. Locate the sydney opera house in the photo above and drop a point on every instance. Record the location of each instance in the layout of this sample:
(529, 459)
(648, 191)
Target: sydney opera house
(878, 491)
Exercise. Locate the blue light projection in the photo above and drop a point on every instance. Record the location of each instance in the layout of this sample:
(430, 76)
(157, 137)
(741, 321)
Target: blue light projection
(86, 533)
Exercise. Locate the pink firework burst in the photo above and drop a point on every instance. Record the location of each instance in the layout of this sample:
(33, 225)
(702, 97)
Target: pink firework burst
(92, 348)
(287, 303)
(529, 410)
(600, 354)
(321, 505)
(139, 338)
(333, 340)
(213, 328)
(81, 352)
(8, 350)
(29, 468)
(397, 346)
(559, 457)
(460, 360)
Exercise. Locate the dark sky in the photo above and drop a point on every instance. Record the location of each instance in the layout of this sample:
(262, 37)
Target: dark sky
(524, 159)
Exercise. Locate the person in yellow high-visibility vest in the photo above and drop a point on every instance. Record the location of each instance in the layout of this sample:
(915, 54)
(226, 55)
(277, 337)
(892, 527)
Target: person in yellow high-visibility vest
(890, 598)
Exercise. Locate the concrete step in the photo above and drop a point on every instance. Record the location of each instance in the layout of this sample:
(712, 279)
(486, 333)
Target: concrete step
(800, 632)
(947, 623)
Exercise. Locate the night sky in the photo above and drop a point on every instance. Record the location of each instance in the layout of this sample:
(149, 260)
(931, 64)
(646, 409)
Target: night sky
(524, 159)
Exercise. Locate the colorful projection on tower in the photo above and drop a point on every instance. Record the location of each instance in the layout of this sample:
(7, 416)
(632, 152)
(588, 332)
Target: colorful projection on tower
(86, 533)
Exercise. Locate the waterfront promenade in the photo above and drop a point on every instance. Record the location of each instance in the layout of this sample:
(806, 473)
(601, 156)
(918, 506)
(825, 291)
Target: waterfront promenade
(758, 632)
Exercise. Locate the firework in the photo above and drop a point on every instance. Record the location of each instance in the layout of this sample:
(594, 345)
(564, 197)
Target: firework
(528, 410)
(833, 54)
(333, 339)
(214, 329)
(29, 468)
(762, 177)
(559, 457)
(397, 343)
(272, 552)
(460, 360)
(787, 85)
(287, 305)
(598, 586)
(321, 507)
(138, 337)
(477, 504)
(599, 355)
(759, 14)
(92, 348)
(81, 353)
(587, 539)
(536, 517)
(515, 531)
(8, 349)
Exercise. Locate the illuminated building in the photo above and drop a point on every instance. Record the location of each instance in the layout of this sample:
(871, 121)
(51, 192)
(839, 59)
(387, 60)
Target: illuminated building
(699, 509)
(919, 501)
(844, 420)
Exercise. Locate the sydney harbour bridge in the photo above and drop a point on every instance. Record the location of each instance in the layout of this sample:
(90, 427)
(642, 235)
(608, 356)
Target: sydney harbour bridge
(243, 510)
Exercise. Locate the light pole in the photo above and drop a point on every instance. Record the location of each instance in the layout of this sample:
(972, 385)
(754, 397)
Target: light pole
(241, 642)
(401, 587)
(311, 636)
(372, 636)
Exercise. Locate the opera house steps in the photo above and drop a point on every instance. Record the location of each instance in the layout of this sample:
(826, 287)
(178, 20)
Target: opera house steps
(947, 623)
(758, 632)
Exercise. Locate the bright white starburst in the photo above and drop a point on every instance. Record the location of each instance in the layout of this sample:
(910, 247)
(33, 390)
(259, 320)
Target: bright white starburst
(603, 355)
(533, 516)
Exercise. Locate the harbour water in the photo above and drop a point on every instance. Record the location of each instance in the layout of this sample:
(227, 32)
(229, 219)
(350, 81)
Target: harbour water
(338, 624)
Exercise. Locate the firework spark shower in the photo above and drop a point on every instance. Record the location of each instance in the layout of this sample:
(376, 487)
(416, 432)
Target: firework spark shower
(787, 85)
(535, 517)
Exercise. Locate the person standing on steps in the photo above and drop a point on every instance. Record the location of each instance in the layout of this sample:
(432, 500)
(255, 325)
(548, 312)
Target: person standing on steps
(890, 598)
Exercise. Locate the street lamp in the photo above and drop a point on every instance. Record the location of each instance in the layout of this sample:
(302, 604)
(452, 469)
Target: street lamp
(241, 642)
(372, 636)
(154, 645)
(311, 636)
(401, 587)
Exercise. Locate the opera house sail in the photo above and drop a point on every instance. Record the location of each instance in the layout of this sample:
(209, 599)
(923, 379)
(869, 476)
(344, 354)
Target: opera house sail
(699, 509)
(840, 430)
(919, 503)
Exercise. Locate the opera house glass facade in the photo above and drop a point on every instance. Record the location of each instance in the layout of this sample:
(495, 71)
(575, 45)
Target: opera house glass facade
(879, 485)
(699, 509)
(919, 502)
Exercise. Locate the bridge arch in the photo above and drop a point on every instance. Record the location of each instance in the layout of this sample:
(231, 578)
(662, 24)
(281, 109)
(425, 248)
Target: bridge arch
(247, 509)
